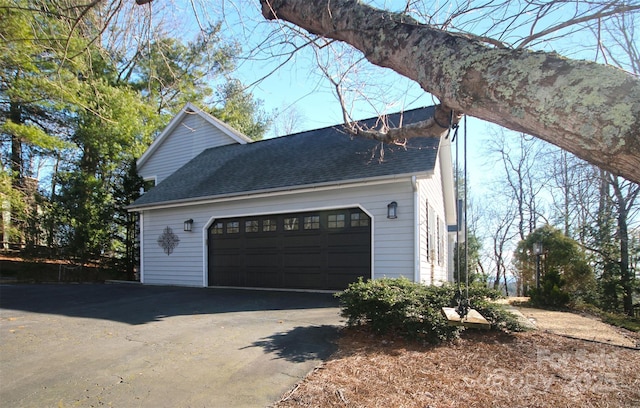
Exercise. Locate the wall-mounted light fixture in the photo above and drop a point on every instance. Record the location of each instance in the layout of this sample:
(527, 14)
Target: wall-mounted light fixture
(392, 210)
(188, 225)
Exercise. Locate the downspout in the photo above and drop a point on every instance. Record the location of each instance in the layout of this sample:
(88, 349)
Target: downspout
(416, 230)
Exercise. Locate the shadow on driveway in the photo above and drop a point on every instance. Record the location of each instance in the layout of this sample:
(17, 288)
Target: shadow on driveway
(300, 343)
(144, 346)
(138, 304)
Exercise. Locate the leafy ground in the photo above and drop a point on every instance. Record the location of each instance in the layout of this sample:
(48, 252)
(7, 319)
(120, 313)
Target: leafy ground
(482, 369)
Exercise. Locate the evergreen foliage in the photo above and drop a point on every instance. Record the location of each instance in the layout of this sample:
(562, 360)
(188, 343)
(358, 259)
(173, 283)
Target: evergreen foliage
(551, 292)
(73, 97)
(565, 273)
(472, 248)
(413, 310)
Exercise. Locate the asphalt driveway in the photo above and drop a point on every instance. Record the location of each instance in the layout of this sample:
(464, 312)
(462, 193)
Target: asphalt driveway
(123, 345)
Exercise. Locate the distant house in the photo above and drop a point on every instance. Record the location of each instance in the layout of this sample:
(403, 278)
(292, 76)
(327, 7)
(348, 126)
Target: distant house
(312, 210)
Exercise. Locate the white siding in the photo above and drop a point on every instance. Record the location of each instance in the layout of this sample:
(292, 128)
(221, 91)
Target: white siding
(191, 137)
(432, 269)
(393, 239)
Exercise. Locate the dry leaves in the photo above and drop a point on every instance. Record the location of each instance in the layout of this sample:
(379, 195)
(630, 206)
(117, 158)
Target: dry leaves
(482, 369)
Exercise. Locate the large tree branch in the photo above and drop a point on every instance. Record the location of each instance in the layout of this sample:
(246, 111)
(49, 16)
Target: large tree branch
(437, 126)
(589, 109)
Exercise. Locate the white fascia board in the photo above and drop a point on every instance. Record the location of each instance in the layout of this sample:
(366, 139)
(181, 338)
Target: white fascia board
(280, 191)
(188, 109)
(448, 181)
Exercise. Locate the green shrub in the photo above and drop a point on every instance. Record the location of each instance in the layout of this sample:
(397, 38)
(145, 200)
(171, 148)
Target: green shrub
(398, 306)
(551, 292)
(414, 310)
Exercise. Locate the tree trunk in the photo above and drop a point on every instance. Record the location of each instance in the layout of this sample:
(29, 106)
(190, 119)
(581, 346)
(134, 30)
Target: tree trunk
(17, 165)
(626, 279)
(589, 109)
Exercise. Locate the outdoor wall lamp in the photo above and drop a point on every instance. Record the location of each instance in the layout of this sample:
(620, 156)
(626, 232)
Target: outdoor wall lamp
(188, 225)
(392, 210)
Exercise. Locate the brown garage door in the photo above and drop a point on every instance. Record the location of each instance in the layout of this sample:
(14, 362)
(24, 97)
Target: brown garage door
(310, 250)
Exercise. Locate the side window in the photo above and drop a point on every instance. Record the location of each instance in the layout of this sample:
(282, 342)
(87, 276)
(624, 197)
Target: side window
(148, 184)
(442, 241)
(439, 241)
(430, 232)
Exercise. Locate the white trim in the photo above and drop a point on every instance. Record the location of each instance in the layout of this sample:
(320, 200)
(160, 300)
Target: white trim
(151, 178)
(141, 222)
(416, 230)
(448, 180)
(205, 253)
(205, 228)
(189, 109)
(277, 192)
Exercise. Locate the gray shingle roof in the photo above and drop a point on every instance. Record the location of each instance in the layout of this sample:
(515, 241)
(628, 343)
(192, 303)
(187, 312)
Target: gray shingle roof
(321, 156)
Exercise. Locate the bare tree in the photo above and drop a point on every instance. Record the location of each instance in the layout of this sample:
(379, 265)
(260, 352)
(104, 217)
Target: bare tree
(574, 190)
(521, 178)
(287, 120)
(519, 184)
(501, 220)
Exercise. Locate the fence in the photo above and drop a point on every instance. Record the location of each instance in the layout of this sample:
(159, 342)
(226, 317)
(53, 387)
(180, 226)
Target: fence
(68, 273)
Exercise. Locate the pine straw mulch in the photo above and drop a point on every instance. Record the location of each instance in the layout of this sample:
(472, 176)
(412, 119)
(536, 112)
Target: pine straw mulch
(481, 369)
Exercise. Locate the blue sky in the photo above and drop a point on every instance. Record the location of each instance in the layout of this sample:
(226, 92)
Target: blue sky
(298, 84)
(283, 80)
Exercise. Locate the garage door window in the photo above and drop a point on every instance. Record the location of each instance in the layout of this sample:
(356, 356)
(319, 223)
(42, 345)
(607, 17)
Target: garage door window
(218, 228)
(359, 220)
(335, 220)
(291, 224)
(312, 222)
(233, 227)
(269, 225)
(252, 226)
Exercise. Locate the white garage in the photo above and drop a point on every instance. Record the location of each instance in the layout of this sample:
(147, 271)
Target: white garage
(313, 210)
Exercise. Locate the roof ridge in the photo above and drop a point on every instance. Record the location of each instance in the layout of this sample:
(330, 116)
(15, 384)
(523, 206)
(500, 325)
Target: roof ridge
(413, 110)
